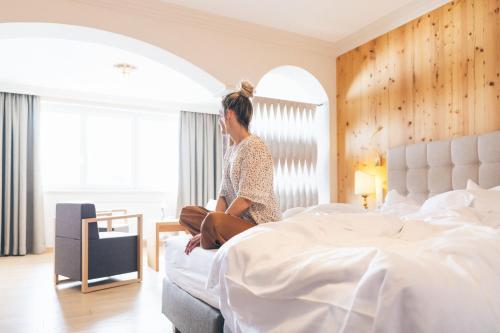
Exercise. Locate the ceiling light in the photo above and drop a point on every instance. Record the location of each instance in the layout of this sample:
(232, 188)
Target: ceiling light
(126, 69)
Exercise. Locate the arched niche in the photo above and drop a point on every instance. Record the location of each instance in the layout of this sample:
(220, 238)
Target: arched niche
(292, 83)
(91, 35)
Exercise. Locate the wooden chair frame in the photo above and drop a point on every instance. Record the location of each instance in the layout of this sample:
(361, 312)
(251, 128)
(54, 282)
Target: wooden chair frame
(85, 252)
(110, 213)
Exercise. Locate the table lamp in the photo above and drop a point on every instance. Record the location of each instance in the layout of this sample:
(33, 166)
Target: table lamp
(364, 185)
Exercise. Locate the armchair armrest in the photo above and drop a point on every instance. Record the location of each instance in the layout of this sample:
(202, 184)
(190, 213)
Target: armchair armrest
(110, 218)
(110, 213)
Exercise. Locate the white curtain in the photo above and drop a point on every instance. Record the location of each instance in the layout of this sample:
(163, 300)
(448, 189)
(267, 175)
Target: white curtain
(200, 159)
(288, 128)
(21, 209)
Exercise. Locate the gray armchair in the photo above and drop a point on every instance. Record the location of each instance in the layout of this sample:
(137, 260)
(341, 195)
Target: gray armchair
(83, 253)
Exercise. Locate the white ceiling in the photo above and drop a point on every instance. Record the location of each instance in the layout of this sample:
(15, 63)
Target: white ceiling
(88, 68)
(330, 20)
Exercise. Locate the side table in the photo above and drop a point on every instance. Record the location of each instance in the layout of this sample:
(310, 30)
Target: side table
(153, 244)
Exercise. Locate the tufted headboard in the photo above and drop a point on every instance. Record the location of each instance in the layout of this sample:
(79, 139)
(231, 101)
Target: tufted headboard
(425, 169)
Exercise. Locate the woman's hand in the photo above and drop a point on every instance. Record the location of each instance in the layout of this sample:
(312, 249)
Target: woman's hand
(238, 206)
(221, 204)
(193, 242)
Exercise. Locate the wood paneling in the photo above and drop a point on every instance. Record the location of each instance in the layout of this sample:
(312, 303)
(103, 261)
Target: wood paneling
(433, 78)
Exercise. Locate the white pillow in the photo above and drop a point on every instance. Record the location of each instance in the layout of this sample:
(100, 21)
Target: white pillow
(447, 200)
(393, 197)
(396, 203)
(472, 185)
(486, 201)
(292, 211)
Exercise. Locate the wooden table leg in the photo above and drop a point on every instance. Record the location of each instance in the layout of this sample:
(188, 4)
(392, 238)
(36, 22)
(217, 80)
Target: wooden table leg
(157, 248)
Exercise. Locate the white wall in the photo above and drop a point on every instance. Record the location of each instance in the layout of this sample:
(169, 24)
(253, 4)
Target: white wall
(226, 49)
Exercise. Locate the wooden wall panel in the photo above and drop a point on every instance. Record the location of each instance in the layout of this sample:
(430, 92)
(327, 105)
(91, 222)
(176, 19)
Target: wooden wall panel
(433, 78)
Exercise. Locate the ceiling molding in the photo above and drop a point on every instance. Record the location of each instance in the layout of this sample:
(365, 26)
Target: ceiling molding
(162, 11)
(387, 23)
(103, 100)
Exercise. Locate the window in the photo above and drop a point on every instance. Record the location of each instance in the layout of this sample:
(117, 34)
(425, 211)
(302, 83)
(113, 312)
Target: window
(109, 150)
(87, 147)
(154, 165)
(61, 158)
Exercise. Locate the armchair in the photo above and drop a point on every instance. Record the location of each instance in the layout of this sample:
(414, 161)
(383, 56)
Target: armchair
(83, 253)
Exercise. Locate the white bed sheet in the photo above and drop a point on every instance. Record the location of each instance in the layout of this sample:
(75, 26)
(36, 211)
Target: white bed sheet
(189, 272)
(326, 269)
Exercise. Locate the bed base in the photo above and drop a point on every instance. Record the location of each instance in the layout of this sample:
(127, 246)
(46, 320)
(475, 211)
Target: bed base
(189, 314)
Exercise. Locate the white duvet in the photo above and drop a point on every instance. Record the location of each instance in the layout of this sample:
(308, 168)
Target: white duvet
(337, 269)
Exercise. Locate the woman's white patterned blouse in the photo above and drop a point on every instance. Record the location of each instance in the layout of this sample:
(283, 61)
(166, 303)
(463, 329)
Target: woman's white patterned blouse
(248, 173)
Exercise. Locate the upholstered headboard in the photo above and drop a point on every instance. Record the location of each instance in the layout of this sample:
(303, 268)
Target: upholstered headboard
(425, 169)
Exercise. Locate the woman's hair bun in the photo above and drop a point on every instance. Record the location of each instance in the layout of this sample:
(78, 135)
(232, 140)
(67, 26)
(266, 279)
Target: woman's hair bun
(246, 89)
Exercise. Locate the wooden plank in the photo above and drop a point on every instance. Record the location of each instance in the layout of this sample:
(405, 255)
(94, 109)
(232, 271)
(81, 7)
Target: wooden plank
(423, 68)
(110, 285)
(380, 136)
(343, 69)
(356, 119)
(433, 114)
(110, 218)
(400, 87)
(85, 257)
(140, 221)
(444, 115)
(480, 118)
(463, 60)
(491, 65)
(130, 308)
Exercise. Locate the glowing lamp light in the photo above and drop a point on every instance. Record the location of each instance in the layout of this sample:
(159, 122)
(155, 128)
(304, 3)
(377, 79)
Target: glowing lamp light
(364, 185)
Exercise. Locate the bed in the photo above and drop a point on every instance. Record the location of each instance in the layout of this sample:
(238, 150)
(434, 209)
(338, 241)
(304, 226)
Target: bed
(185, 300)
(191, 272)
(335, 268)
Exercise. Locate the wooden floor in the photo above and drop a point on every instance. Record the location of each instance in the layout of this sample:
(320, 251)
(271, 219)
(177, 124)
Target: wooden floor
(29, 302)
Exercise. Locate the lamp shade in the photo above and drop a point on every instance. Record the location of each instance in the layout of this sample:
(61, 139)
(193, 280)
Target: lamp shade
(364, 183)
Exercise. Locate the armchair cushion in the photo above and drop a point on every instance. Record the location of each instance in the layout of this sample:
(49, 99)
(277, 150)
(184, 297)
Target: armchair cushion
(112, 256)
(69, 220)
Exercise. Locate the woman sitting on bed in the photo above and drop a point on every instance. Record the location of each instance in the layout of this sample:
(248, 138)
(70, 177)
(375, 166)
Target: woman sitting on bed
(246, 195)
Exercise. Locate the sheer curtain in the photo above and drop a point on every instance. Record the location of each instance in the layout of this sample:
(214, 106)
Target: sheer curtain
(21, 211)
(200, 159)
(288, 128)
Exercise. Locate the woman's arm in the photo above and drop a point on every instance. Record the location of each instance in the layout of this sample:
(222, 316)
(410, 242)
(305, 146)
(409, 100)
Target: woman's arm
(238, 206)
(221, 204)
